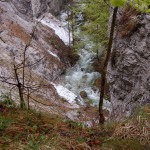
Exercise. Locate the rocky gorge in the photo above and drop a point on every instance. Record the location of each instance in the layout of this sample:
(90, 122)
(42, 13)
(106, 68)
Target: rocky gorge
(31, 34)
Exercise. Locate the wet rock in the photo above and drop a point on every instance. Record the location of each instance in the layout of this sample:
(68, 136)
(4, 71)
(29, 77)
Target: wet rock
(74, 58)
(83, 94)
(82, 69)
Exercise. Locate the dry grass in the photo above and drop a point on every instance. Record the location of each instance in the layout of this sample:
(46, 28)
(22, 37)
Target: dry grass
(128, 22)
(134, 133)
(139, 127)
(20, 129)
(30, 130)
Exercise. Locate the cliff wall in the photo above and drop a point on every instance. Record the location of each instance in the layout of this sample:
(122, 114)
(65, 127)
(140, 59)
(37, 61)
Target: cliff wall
(129, 67)
(47, 55)
(35, 8)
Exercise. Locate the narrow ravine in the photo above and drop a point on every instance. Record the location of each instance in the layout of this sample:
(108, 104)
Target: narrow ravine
(81, 77)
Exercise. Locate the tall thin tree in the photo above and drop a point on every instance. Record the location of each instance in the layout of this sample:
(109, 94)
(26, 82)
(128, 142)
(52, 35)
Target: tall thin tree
(105, 64)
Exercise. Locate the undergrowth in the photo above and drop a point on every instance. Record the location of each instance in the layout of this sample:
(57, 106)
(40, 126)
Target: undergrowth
(30, 130)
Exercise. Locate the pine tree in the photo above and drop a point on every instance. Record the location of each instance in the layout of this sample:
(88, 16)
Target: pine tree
(96, 17)
(141, 5)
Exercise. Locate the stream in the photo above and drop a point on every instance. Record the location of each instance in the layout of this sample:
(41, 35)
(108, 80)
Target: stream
(81, 77)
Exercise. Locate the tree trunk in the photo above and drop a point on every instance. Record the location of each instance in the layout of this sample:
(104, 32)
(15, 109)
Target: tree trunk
(22, 103)
(104, 70)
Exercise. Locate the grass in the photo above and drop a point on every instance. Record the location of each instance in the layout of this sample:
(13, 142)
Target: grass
(22, 129)
(30, 130)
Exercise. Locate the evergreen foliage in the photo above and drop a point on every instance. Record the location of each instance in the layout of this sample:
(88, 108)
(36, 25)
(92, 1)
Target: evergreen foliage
(118, 3)
(141, 5)
(96, 17)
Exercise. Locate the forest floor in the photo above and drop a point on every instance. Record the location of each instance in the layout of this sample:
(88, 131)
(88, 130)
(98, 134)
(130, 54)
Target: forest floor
(31, 130)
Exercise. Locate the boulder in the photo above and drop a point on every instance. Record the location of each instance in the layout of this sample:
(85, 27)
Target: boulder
(83, 94)
(97, 83)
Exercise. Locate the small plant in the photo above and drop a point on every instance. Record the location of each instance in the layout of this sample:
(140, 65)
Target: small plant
(123, 144)
(7, 101)
(4, 123)
(140, 5)
(74, 124)
(135, 130)
(128, 22)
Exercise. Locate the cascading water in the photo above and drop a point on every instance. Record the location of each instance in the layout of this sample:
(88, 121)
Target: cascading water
(81, 76)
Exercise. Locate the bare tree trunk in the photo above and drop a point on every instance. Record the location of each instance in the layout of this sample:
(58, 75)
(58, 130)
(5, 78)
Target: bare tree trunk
(19, 80)
(72, 28)
(28, 96)
(69, 29)
(69, 34)
(104, 70)
(97, 48)
(19, 86)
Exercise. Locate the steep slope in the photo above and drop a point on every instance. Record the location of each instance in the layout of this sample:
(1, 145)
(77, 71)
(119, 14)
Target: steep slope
(21, 32)
(34, 8)
(129, 68)
(20, 129)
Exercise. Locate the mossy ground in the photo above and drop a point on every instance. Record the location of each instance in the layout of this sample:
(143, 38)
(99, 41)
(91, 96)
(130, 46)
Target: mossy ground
(30, 130)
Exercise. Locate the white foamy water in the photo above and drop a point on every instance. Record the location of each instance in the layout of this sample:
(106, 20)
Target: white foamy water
(81, 76)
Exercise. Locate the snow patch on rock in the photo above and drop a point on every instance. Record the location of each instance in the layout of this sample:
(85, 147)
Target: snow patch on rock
(66, 94)
(50, 21)
(53, 55)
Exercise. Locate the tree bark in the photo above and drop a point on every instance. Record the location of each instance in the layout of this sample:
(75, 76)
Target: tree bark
(19, 86)
(105, 64)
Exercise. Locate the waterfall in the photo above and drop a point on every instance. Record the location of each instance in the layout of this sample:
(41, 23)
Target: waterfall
(81, 76)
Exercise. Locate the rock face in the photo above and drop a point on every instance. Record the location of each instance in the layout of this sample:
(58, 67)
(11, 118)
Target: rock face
(46, 55)
(35, 8)
(129, 67)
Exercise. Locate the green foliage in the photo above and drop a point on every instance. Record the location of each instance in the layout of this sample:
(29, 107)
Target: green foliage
(74, 124)
(141, 5)
(123, 144)
(118, 3)
(7, 101)
(31, 130)
(95, 24)
(5, 122)
(96, 18)
(96, 15)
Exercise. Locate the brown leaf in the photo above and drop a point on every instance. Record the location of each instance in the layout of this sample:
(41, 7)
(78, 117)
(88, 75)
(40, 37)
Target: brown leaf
(97, 142)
